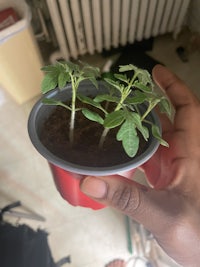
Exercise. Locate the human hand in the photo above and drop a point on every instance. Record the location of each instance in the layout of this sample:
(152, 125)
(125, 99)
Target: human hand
(170, 208)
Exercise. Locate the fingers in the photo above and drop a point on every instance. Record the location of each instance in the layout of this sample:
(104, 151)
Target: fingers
(130, 198)
(186, 105)
(177, 91)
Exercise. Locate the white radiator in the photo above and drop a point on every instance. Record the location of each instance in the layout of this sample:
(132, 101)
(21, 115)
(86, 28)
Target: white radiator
(89, 26)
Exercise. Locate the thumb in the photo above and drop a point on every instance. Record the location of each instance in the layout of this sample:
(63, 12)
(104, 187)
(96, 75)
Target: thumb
(113, 191)
(135, 200)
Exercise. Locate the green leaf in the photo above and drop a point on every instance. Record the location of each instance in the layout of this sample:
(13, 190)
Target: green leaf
(138, 98)
(154, 101)
(165, 107)
(128, 67)
(136, 119)
(49, 82)
(126, 127)
(142, 87)
(128, 135)
(53, 102)
(63, 78)
(71, 67)
(50, 101)
(156, 133)
(131, 145)
(93, 116)
(93, 81)
(90, 71)
(89, 101)
(114, 119)
(115, 84)
(144, 77)
(108, 75)
(49, 68)
(122, 77)
(101, 98)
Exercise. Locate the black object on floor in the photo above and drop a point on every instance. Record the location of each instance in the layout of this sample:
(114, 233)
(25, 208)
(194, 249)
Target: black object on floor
(21, 246)
(136, 54)
(182, 54)
(145, 45)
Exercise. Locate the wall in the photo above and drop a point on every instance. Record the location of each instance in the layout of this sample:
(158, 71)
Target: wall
(194, 16)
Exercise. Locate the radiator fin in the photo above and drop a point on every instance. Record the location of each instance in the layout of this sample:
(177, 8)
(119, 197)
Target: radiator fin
(89, 26)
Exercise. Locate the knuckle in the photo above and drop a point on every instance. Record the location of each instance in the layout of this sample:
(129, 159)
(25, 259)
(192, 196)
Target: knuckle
(126, 199)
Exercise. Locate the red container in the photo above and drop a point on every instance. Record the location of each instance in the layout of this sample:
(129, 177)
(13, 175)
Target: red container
(68, 184)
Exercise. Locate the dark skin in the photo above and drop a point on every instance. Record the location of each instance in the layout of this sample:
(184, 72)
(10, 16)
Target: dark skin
(170, 208)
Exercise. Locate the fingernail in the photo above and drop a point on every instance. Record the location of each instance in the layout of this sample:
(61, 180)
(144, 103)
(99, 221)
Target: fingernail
(94, 187)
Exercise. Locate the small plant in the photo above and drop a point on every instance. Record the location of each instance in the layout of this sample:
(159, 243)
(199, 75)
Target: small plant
(120, 107)
(62, 73)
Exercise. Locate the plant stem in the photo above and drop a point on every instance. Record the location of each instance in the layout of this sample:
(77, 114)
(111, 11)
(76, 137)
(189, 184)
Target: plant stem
(124, 95)
(106, 130)
(132, 80)
(150, 107)
(103, 137)
(71, 128)
(73, 111)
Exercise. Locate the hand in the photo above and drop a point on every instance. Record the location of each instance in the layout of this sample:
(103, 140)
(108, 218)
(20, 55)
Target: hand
(170, 209)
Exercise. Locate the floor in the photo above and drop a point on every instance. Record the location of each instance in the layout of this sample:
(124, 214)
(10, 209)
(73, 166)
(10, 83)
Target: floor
(91, 238)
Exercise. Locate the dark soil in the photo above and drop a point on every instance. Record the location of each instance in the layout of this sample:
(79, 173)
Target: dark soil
(85, 151)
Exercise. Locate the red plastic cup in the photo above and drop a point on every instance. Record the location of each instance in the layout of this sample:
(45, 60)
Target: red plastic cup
(68, 185)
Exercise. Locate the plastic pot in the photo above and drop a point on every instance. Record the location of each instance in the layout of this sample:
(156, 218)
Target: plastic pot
(67, 175)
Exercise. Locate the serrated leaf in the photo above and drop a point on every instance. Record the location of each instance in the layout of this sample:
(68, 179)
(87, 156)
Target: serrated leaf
(138, 98)
(128, 135)
(144, 77)
(131, 145)
(71, 67)
(122, 77)
(165, 107)
(156, 133)
(50, 101)
(126, 127)
(114, 84)
(63, 78)
(90, 71)
(101, 98)
(136, 119)
(128, 67)
(88, 100)
(49, 68)
(54, 102)
(142, 87)
(49, 82)
(93, 116)
(93, 81)
(108, 75)
(114, 119)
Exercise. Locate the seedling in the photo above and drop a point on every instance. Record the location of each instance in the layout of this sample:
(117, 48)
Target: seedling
(62, 73)
(128, 95)
(120, 107)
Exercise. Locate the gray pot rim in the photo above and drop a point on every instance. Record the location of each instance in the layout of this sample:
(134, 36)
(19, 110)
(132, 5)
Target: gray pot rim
(79, 169)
